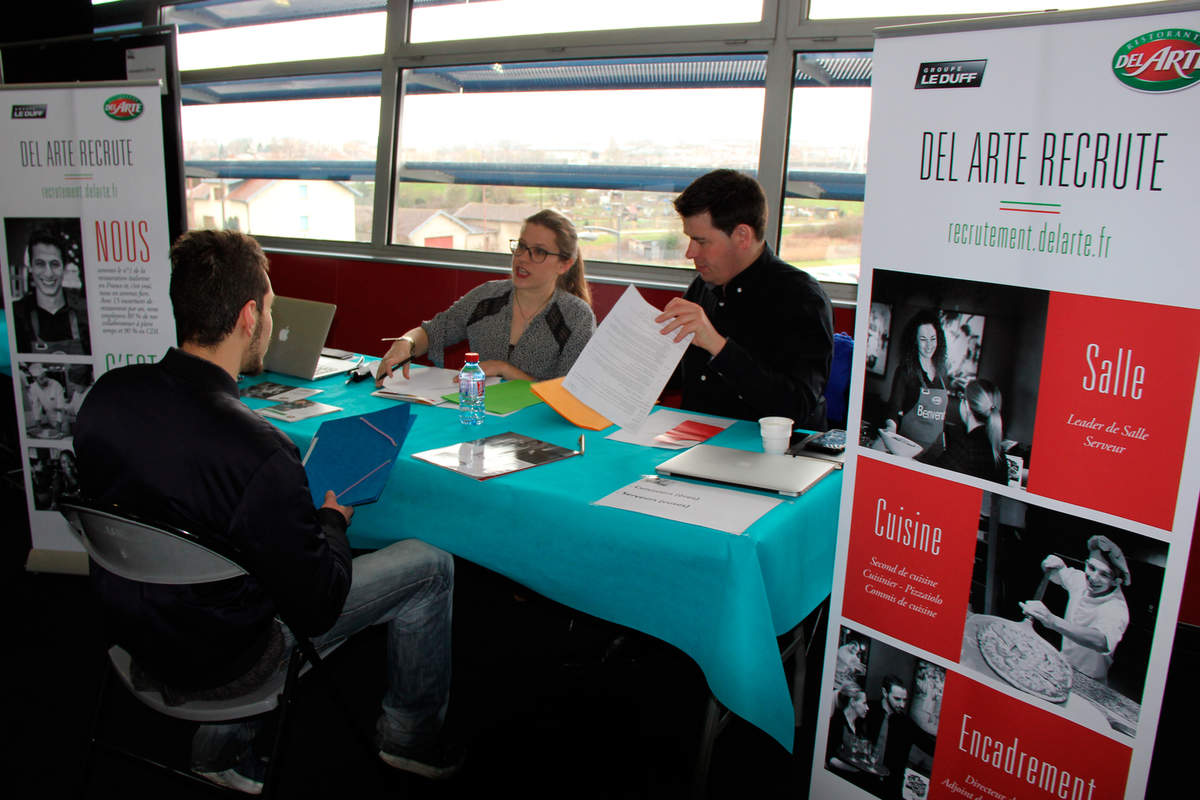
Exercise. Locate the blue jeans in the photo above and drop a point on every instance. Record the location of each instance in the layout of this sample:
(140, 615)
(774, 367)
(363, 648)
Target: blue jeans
(408, 585)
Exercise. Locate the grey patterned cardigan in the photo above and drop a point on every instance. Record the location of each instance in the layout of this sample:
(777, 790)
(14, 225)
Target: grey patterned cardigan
(552, 340)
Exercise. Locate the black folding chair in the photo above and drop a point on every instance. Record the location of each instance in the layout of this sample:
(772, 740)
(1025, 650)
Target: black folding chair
(149, 552)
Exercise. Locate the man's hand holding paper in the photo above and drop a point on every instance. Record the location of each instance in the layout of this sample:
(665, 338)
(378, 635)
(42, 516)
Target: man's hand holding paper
(627, 362)
(686, 317)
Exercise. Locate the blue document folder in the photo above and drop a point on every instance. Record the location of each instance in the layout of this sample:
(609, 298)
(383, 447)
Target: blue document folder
(353, 456)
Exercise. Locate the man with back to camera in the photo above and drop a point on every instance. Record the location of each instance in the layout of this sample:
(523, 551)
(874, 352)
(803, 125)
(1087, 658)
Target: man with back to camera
(173, 442)
(50, 318)
(763, 329)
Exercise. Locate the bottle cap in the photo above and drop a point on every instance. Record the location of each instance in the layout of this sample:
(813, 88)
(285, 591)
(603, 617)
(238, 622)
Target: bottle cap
(472, 358)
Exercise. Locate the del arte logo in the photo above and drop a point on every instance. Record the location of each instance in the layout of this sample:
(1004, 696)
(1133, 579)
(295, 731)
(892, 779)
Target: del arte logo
(123, 107)
(1161, 61)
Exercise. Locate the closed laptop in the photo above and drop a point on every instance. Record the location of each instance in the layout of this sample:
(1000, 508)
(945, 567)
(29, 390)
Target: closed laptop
(775, 472)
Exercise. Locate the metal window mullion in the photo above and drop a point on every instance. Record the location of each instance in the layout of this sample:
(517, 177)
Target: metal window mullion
(773, 139)
(283, 69)
(387, 145)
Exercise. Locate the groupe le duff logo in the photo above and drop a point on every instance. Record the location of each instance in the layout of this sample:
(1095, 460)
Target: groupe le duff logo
(123, 107)
(1160, 61)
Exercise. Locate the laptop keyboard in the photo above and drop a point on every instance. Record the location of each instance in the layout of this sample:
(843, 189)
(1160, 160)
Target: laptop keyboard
(331, 366)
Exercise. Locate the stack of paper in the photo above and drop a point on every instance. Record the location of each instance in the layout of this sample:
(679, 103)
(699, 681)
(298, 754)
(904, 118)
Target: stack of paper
(297, 410)
(426, 385)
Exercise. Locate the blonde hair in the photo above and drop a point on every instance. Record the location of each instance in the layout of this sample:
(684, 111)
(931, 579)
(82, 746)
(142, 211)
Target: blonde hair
(574, 280)
(983, 399)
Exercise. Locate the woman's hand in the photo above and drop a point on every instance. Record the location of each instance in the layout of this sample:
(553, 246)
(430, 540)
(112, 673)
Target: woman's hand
(503, 370)
(400, 350)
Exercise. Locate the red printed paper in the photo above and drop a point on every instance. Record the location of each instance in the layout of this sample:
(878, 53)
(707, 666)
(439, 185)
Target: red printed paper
(689, 431)
(1114, 400)
(912, 544)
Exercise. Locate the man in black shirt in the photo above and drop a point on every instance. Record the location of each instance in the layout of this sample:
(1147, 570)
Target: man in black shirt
(173, 442)
(891, 734)
(762, 329)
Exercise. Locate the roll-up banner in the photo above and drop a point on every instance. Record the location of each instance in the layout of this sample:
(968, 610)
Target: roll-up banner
(84, 242)
(1021, 494)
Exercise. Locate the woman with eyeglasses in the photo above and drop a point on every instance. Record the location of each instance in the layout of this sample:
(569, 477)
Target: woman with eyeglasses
(530, 327)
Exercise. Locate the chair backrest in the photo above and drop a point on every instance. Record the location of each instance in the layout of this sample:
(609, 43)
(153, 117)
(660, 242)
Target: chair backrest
(837, 389)
(141, 551)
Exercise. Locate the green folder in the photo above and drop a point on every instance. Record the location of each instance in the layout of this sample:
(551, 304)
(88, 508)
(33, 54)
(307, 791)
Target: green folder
(505, 397)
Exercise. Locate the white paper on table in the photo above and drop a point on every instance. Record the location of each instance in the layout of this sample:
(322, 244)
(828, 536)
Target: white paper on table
(726, 510)
(427, 385)
(292, 395)
(662, 421)
(297, 410)
(627, 362)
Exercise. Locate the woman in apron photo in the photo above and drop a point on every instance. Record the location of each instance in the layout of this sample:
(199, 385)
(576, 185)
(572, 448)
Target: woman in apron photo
(920, 394)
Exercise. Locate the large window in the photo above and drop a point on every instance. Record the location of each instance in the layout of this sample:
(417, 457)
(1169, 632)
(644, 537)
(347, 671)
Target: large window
(221, 33)
(475, 113)
(845, 9)
(450, 20)
(821, 225)
(609, 142)
(300, 168)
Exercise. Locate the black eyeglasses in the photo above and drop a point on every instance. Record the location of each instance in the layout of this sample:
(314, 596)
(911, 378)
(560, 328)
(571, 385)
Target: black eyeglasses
(536, 254)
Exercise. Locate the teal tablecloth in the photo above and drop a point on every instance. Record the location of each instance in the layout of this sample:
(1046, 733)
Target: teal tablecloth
(5, 358)
(721, 598)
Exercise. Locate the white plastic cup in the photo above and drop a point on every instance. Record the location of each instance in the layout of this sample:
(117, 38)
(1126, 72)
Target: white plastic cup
(776, 433)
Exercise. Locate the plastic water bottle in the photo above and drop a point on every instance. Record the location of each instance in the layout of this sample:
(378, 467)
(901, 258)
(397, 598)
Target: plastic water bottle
(471, 387)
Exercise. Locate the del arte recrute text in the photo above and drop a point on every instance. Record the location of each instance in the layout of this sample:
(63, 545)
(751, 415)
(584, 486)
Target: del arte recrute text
(1069, 160)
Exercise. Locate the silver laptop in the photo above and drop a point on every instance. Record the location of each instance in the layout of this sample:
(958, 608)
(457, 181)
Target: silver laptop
(300, 328)
(789, 475)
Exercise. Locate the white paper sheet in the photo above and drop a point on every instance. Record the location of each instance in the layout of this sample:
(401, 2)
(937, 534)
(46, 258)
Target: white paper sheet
(147, 64)
(428, 385)
(297, 410)
(695, 504)
(662, 421)
(627, 362)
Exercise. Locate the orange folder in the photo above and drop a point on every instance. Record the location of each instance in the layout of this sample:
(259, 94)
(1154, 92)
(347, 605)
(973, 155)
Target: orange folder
(568, 405)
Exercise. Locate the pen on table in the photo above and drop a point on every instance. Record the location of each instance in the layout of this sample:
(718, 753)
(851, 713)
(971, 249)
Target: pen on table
(355, 377)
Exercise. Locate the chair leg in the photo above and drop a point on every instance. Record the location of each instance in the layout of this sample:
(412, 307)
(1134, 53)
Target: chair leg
(799, 674)
(715, 718)
(93, 734)
(367, 742)
(283, 712)
(95, 742)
